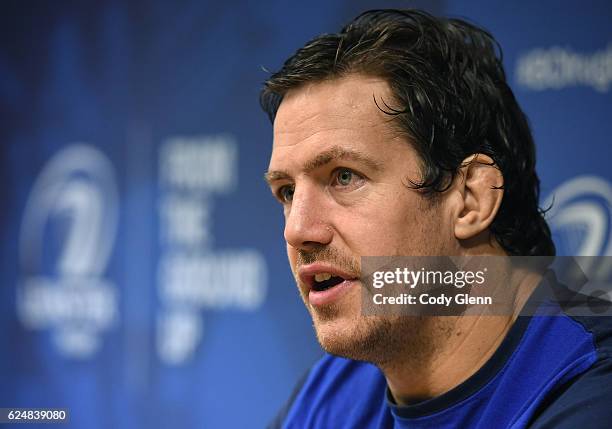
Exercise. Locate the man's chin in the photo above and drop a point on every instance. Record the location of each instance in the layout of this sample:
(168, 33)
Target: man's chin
(336, 340)
(352, 338)
(379, 340)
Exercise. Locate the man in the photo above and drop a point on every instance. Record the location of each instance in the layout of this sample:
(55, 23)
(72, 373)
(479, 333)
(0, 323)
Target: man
(400, 136)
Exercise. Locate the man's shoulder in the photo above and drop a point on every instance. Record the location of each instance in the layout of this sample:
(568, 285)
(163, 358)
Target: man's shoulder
(583, 400)
(600, 328)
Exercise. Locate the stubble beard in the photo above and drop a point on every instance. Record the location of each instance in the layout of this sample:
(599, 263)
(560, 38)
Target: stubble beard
(385, 341)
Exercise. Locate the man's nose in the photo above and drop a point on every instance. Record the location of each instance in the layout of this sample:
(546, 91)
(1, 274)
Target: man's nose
(307, 223)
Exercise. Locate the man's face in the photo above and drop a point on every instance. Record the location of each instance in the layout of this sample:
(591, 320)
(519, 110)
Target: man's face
(342, 172)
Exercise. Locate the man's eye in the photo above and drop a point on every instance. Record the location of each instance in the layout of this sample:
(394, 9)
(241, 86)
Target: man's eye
(346, 177)
(285, 193)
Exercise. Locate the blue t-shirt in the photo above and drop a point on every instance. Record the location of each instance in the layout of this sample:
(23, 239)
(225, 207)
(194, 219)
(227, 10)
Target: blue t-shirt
(551, 371)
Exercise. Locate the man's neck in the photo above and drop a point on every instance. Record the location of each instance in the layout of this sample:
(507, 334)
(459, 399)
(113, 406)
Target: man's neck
(471, 342)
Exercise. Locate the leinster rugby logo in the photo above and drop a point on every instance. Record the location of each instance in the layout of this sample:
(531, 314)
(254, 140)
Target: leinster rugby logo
(581, 217)
(66, 238)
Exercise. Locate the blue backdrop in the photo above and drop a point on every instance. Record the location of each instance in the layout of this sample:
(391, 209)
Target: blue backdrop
(144, 278)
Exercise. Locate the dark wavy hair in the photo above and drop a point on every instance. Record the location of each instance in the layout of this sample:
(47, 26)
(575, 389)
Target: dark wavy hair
(450, 98)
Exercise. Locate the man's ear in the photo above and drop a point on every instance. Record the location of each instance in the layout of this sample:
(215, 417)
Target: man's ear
(480, 183)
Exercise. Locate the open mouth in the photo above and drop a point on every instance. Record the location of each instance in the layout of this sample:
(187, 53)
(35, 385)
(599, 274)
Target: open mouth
(324, 281)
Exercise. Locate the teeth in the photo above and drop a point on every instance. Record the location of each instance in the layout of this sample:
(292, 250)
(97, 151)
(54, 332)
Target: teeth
(321, 277)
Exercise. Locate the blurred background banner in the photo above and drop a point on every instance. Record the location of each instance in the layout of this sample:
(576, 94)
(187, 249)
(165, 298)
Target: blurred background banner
(144, 276)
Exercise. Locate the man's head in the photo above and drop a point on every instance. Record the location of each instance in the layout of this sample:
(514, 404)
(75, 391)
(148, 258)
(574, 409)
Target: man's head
(396, 136)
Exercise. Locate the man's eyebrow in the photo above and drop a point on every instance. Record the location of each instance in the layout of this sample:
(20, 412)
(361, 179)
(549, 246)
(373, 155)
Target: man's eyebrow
(272, 176)
(338, 152)
(332, 154)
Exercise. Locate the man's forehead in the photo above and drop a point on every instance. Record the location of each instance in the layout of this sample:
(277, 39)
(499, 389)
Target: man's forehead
(348, 100)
